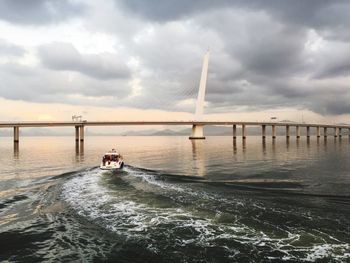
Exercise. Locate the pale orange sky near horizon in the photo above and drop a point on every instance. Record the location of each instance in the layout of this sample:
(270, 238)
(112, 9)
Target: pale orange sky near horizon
(27, 111)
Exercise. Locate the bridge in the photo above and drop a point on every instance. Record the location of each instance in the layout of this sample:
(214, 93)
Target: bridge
(79, 127)
(197, 124)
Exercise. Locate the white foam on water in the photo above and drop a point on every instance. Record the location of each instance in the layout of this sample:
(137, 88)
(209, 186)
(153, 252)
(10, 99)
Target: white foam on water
(90, 199)
(119, 213)
(151, 179)
(173, 187)
(339, 251)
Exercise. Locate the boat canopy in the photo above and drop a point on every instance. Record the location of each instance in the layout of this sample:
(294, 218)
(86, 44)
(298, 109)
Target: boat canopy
(112, 152)
(112, 156)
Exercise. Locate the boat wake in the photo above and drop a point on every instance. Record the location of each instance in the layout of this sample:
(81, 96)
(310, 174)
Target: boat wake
(178, 215)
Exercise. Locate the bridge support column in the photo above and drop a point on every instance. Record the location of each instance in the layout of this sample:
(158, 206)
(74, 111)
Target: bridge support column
(273, 131)
(81, 134)
(77, 134)
(287, 131)
(318, 132)
(243, 132)
(16, 134)
(234, 131)
(297, 132)
(308, 131)
(339, 132)
(325, 132)
(335, 132)
(197, 132)
(263, 131)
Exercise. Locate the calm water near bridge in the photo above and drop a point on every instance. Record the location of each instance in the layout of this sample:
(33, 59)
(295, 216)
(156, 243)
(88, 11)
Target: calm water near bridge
(176, 201)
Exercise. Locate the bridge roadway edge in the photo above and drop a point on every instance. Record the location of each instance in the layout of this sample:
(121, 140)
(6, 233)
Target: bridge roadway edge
(79, 127)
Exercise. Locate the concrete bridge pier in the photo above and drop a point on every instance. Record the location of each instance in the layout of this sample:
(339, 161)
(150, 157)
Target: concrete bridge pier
(287, 131)
(308, 131)
(16, 134)
(273, 131)
(318, 133)
(325, 132)
(243, 132)
(234, 131)
(197, 132)
(263, 131)
(339, 132)
(335, 134)
(77, 134)
(81, 134)
(297, 130)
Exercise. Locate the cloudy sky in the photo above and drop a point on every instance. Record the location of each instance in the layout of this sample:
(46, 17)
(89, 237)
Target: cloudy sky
(118, 59)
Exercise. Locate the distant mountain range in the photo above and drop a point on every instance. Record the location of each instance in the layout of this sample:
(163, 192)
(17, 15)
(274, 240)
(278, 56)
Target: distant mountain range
(208, 131)
(221, 131)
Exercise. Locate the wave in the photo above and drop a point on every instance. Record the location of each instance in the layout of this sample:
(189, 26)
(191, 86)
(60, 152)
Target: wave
(12, 200)
(168, 214)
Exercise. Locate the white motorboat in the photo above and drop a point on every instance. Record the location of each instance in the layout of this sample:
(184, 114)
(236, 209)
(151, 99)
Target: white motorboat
(112, 161)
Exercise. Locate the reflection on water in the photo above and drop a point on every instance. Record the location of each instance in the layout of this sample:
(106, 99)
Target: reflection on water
(79, 152)
(298, 142)
(76, 147)
(308, 141)
(15, 150)
(81, 149)
(234, 146)
(214, 200)
(198, 157)
(264, 146)
(273, 148)
(244, 146)
(210, 158)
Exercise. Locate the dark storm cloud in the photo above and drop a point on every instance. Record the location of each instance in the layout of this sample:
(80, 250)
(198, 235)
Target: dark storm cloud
(264, 55)
(43, 85)
(63, 56)
(342, 106)
(311, 12)
(254, 44)
(267, 48)
(168, 9)
(38, 11)
(271, 50)
(339, 70)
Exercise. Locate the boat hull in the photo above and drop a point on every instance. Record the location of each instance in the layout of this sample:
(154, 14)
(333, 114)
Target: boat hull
(112, 166)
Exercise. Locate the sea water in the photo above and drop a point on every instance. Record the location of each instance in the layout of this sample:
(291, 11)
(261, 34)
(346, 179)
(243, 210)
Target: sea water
(176, 200)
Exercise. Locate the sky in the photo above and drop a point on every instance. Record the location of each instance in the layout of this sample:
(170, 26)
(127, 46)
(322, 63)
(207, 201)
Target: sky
(141, 60)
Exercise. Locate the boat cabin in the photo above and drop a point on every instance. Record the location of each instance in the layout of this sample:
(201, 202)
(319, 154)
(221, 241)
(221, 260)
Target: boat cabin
(112, 156)
(112, 160)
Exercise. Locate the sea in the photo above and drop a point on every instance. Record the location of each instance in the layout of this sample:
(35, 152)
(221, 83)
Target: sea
(176, 200)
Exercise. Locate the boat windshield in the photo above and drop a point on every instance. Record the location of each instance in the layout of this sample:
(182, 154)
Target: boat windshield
(111, 157)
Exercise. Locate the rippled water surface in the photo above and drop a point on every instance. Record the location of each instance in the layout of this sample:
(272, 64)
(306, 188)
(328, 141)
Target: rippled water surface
(176, 201)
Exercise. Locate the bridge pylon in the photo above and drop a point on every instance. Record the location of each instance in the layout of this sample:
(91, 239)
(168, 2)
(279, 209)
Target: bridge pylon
(197, 129)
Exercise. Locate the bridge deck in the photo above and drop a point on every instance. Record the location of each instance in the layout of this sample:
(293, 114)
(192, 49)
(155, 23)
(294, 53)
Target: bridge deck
(119, 123)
